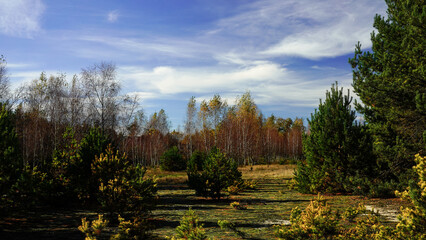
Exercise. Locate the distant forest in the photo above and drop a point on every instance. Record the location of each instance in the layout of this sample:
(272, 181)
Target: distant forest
(49, 105)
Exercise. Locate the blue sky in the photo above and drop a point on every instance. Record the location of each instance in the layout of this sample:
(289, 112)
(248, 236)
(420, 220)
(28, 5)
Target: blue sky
(287, 53)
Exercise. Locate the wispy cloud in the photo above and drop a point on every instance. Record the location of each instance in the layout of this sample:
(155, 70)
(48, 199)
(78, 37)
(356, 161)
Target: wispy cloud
(269, 83)
(19, 65)
(21, 18)
(245, 51)
(260, 31)
(147, 48)
(113, 16)
(323, 68)
(308, 29)
(172, 80)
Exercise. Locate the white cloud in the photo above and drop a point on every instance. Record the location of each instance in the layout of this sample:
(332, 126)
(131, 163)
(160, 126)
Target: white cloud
(19, 65)
(269, 83)
(259, 31)
(153, 47)
(308, 29)
(113, 16)
(323, 68)
(326, 41)
(170, 80)
(20, 18)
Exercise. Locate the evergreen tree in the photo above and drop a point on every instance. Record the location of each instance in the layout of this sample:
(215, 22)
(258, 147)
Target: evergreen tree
(218, 172)
(335, 147)
(92, 145)
(390, 81)
(172, 160)
(67, 166)
(9, 153)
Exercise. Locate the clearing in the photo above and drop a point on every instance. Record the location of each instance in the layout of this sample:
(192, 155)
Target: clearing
(270, 204)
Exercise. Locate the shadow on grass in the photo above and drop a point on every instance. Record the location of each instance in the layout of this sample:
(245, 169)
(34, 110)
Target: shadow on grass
(186, 207)
(52, 234)
(171, 187)
(162, 223)
(257, 201)
(42, 224)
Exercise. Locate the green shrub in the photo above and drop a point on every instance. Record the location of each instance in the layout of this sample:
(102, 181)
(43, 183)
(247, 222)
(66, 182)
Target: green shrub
(10, 158)
(319, 222)
(362, 185)
(241, 186)
(94, 229)
(66, 166)
(137, 228)
(197, 160)
(316, 222)
(190, 228)
(412, 221)
(122, 186)
(238, 206)
(172, 160)
(93, 144)
(218, 173)
(34, 187)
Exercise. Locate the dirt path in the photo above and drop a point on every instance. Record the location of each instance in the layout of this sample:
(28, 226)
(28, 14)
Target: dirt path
(390, 214)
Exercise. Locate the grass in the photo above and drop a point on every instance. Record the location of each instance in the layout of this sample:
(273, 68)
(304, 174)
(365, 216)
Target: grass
(270, 204)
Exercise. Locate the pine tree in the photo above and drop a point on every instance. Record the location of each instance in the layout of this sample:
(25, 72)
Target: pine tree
(333, 149)
(92, 145)
(9, 153)
(218, 173)
(390, 81)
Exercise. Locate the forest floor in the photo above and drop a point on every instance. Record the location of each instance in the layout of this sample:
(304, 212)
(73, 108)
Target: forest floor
(270, 204)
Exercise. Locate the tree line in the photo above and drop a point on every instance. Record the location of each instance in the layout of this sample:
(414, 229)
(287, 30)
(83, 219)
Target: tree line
(45, 107)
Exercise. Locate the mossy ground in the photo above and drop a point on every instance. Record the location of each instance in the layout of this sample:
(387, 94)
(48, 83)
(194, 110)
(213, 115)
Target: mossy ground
(268, 205)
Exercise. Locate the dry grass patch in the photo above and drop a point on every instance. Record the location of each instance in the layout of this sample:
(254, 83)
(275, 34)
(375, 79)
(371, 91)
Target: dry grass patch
(272, 171)
(167, 177)
(256, 172)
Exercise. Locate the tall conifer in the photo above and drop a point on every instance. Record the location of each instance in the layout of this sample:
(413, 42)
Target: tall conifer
(391, 82)
(333, 149)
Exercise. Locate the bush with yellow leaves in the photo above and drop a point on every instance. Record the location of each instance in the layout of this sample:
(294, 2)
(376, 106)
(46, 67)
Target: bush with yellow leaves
(136, 228)
(190, 228)
(319, 222)
(123, 187)
(238, 206)
(412, 221)
(94, 229)
(316, 222)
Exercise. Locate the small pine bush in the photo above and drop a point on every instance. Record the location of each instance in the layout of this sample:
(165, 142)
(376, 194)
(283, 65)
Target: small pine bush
(218, 173)
(241, 186)
(122, 186)
(197, 160)
(238, 206)
(137, 228)
(190, 228)
(319, 222)
(316, 222)
(172, 160)
(412, 221)
(92, 145)
(94, 229)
